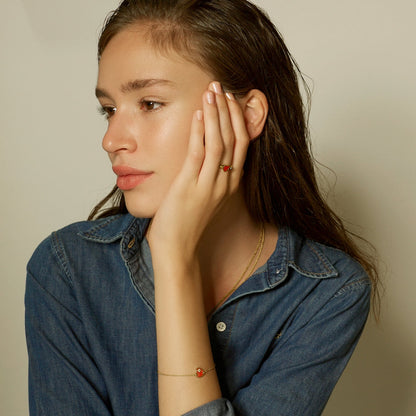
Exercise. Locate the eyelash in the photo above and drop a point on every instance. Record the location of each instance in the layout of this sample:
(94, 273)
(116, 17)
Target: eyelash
(144, 103)
(108, 111)
(105, 111)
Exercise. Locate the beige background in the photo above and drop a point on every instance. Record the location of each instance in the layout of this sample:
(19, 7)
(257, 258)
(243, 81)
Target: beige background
(360, 56)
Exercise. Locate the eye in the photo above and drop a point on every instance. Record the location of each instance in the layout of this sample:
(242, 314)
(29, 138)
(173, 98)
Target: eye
(149, 105)
(107, 111)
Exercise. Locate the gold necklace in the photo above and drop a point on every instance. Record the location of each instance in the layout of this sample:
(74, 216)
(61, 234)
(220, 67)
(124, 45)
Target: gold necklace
(255, 257)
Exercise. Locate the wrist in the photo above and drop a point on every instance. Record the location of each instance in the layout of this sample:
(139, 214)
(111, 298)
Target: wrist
(170, 261)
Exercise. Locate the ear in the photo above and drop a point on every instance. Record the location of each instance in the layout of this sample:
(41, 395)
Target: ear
(255, 109)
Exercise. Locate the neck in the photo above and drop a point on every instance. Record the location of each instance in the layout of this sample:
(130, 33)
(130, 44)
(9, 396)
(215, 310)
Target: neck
(227, 247)
(230, 237)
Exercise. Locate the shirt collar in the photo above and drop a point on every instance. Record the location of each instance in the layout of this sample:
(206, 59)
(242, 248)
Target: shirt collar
(292, 250)
(110, 229)
(296, 252)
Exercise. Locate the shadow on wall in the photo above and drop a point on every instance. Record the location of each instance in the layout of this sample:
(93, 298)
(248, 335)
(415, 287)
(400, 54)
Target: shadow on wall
(375, 188)
(379, 380)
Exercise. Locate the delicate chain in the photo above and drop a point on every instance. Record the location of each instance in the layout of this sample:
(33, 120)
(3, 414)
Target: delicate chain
(199, 372)
(255, 257)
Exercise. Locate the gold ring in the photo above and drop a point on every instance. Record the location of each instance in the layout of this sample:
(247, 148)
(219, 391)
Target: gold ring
(226, 168)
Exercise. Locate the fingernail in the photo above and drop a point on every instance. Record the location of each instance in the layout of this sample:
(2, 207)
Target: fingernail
(210, 97)
(199, 115)
(230, 96)
(216, 86)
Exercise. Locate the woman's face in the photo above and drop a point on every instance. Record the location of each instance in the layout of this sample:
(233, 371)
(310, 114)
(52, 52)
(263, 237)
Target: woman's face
(149, 100)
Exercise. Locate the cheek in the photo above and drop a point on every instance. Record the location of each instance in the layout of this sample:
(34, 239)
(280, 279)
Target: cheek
(173, 138)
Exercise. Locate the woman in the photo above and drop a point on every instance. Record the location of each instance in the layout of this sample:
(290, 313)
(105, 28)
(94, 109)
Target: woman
(218, 281)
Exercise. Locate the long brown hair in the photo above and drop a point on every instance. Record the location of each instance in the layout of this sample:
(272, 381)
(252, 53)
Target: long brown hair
(236, 42)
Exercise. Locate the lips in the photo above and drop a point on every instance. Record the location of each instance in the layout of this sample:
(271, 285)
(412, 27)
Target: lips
(128, 178)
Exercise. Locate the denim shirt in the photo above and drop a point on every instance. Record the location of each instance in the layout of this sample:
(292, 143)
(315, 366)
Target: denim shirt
(280, 342)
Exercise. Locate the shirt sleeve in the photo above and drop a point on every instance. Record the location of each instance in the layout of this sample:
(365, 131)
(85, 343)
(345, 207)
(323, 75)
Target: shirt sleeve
(296, 377)
(303, 366)
(63, 378)
(219, 407)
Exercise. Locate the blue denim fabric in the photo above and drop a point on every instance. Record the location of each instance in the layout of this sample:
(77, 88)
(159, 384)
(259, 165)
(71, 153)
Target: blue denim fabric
(280, 342)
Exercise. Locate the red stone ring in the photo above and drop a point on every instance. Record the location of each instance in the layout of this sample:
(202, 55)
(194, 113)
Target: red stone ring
(226, 168)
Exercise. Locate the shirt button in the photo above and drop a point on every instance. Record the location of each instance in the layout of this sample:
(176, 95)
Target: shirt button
(221, 327)
(131, 244)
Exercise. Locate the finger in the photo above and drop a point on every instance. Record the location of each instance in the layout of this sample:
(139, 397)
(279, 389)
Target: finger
(226, 128)
(196, 150)
(241, 135)
(214, 146)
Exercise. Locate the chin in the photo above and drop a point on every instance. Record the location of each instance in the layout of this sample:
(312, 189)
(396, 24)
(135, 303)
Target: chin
(140, 209)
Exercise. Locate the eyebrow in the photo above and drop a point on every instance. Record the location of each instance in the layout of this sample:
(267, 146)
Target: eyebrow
(134, 85)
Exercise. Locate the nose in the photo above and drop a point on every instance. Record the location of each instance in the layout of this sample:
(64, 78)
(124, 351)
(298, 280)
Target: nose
(120, 136)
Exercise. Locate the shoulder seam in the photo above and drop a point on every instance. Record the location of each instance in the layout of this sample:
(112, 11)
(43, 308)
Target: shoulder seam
(356, 284)
(61, 255)
(31, 276)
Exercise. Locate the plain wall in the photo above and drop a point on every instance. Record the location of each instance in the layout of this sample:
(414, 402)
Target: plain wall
(360, 58)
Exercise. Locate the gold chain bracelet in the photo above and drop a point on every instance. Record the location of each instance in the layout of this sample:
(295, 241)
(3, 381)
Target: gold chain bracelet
(199, 372)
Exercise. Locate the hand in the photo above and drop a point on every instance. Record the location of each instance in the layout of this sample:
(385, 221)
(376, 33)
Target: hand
(218, 136)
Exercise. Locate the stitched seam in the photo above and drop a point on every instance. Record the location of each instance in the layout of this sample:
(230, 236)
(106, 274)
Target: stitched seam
(61, 256)
(92, 233)
(318, 254)
(52, 296)
(357, 284)
(305, 272)
(231, 327)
